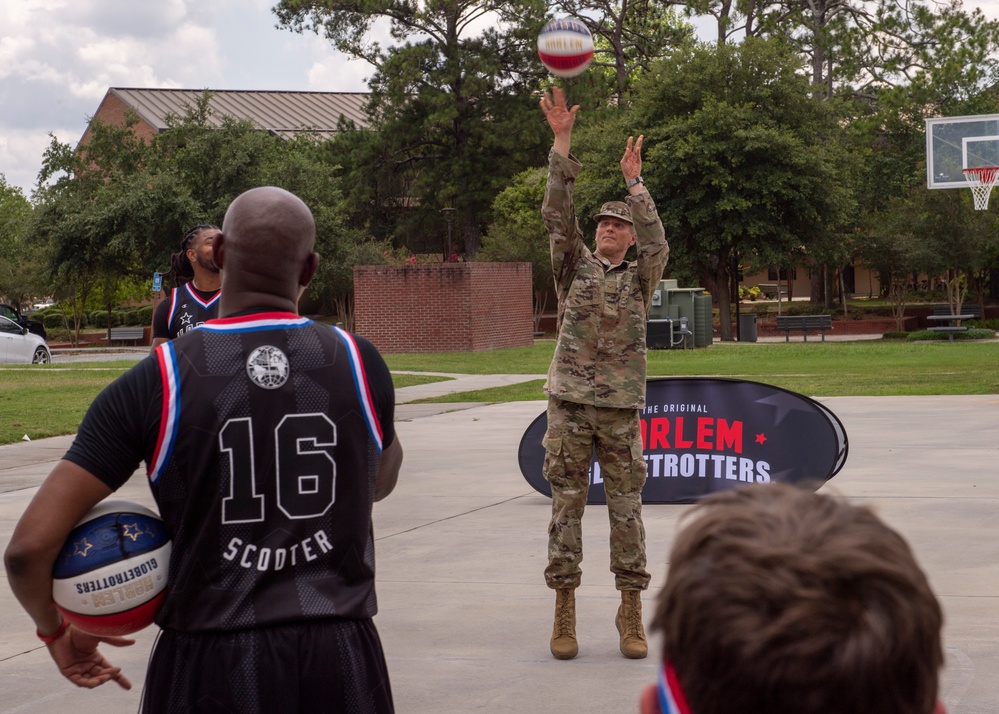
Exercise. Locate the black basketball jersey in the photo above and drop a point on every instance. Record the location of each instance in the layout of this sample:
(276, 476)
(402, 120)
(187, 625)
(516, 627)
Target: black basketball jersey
(188, 309)
(264, 469)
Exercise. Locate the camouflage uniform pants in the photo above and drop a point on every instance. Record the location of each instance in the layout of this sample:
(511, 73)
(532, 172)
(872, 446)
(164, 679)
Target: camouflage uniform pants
(573, 432)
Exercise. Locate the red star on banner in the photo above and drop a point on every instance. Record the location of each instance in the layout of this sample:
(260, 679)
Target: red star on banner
(760, 438)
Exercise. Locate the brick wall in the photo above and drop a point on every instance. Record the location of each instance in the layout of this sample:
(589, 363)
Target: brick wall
(444, 307)
(113, 112)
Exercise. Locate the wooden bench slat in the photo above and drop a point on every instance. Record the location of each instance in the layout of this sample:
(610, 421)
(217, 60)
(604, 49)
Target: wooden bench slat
(122, 334)
(966, 309)
(821, 323)
(951, 330)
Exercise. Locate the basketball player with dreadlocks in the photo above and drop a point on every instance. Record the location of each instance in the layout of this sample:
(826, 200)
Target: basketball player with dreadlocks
(195, 300)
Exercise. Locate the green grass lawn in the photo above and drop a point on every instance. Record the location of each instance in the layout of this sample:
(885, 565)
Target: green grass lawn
(50, 400)
(861, 368)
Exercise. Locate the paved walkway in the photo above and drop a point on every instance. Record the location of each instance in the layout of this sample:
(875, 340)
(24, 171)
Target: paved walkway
(464, 613)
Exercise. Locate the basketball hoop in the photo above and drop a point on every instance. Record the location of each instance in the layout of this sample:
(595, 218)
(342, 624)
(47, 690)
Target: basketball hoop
(982, 179)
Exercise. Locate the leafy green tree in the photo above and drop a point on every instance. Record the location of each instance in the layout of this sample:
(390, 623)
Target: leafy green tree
(518, 234)
(102, 208)
(304, 168)
(115, 209)
(630, 35)
(894, 248)
(960, 242)
(451, 119)
(894, 62)
(742, 161)
(939, 50)
(22, 269)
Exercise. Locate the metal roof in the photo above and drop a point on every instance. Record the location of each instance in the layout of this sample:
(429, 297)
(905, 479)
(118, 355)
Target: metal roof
(281, 113)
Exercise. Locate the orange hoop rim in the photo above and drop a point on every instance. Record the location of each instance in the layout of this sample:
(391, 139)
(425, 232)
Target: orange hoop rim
(980, 180)
(983, 174)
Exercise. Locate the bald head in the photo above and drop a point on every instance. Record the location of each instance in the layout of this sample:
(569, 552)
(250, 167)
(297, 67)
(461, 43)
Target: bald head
(265, 251)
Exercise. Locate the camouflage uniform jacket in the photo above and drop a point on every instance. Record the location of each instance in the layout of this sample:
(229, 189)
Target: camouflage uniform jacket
(602, 310)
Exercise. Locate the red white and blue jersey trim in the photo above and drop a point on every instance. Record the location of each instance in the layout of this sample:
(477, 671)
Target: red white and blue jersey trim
(361, 385)
(671, 698)
(175, 299)
(257, 322)
(170, 377)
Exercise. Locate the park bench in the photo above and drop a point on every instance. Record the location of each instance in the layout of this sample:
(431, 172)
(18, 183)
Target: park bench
(770, 289)
(966, 309)
(126, 334)
(941, 313)
(805, 323)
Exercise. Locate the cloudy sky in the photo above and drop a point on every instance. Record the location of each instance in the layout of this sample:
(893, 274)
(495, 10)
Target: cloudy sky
(59, 57)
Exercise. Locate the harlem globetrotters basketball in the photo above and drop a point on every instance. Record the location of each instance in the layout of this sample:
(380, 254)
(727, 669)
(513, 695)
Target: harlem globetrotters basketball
(110, 577)
(565, 47)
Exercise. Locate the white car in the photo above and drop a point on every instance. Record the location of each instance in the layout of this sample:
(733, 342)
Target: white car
(18, 346)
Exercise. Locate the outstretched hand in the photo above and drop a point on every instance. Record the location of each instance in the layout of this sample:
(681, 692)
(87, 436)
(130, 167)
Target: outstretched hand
(560, 118)
(76, 655)
(631, 162)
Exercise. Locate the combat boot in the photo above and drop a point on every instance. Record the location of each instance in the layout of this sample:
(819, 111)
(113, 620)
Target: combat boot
(563, 644)
(629, 625)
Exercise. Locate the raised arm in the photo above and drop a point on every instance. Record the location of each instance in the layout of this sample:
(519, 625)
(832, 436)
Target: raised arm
(650, 236)
(560, 118)
(631, 166)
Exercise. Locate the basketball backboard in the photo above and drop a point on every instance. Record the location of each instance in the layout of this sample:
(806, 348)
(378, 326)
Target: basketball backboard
(957, 143)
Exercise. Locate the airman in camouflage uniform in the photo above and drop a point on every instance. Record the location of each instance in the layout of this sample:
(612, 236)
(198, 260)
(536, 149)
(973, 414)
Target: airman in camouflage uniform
(596, 381)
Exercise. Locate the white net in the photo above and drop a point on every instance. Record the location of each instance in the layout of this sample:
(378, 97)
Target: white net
(981, 179)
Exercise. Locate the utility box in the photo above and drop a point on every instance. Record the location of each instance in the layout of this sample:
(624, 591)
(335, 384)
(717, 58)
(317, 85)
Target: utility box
(704, 329)
(671, 302)
(659, 334)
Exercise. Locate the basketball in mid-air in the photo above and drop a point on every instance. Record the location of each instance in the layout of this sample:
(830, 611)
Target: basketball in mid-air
(110, 577)
(565, 47)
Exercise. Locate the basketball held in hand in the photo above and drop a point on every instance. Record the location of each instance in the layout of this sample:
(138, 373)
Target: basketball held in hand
(110, 577)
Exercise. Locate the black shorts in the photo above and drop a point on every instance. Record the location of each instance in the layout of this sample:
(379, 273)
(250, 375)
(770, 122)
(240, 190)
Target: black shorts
(333, 665)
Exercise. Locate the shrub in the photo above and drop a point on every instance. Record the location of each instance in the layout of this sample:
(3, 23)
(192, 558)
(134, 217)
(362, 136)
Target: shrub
(58, 334)
(805, 308)
(990, 324)
(978, 333)
(145, 315)
(895, 335)
(973, 333)
(130, 317)
(53, 318)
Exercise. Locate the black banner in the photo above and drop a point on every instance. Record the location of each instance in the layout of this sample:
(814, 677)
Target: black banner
(703, 435)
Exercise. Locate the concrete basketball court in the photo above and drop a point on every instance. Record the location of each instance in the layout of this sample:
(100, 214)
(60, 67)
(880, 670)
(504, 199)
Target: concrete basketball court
(465, 616)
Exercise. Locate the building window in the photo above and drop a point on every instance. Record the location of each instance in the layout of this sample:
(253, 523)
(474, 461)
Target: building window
(785, 273)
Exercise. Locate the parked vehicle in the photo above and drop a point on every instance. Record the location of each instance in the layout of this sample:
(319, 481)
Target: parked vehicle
(10, 313)
(18, 346)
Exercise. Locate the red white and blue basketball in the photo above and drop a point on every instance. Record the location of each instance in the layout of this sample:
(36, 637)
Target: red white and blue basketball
(110, 577)
(565, 47)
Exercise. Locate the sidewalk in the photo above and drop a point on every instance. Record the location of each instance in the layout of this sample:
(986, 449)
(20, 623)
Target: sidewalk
(464, 613)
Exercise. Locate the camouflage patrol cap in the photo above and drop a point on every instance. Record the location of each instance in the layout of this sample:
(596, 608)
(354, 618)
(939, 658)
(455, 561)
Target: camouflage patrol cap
(614, 209)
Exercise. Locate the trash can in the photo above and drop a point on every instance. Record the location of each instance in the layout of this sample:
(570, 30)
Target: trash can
(747, 327)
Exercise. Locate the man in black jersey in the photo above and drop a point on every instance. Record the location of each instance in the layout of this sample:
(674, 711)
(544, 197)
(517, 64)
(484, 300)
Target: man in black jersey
(195, 301)
(266, 438)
